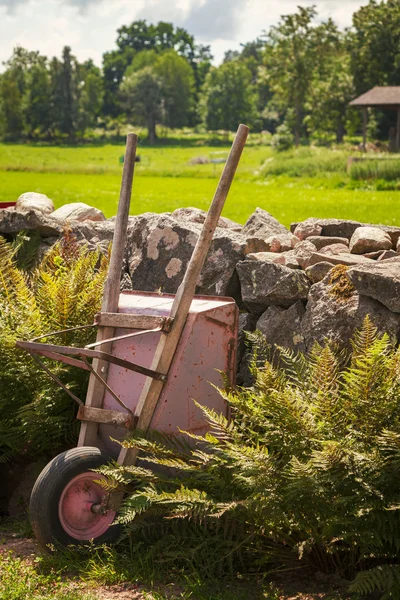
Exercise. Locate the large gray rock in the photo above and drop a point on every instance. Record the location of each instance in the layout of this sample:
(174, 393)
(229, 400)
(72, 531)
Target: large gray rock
(93, 235)
(266, 284)
(13, 221)
(286, 258)
(78, 211)
(282, 327)
(159, 248)
(267, 257)
(307, 229)
(317, 272)
(322, 241)
(331, 227)
(377, 254)
(380, 280)
(369, 239)
(196, 215)
(256, 245)
(281, 242)
(334, 249)
(336, 319)
(338, 227)
(34, 201)
(93, 232)
(394, 232)
(339, 259)
(394, 259)
(303, 252)
(263, 225)
(346, 228)
(386, 254)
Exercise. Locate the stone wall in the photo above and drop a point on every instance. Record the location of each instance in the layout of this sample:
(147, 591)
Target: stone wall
(315, 281)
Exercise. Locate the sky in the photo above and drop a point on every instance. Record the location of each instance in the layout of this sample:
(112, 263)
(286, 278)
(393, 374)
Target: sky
(89, 26)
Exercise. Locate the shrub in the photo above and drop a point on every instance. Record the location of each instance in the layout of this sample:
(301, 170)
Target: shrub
(283, 139)
(64, 291)
(305, 473)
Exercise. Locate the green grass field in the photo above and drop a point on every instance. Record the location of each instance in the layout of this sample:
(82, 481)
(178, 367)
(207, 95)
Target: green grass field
(292, 186)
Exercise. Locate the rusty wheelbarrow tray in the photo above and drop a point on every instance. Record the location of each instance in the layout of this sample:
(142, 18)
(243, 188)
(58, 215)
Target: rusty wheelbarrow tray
(67, 505)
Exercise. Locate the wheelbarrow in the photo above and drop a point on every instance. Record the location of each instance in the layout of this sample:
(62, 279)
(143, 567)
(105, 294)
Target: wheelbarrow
(153, 354)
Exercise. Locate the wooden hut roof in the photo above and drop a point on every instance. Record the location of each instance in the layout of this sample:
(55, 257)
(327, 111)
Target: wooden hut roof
(379, 96)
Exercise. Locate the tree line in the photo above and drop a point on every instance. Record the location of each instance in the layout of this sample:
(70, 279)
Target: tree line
(297, 78)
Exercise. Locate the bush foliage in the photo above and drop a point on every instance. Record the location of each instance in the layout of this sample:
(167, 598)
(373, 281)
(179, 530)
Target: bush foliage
(63, 291)
(283, 139)
(305, 473)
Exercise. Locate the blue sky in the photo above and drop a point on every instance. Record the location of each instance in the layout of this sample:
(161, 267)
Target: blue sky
(89, 26)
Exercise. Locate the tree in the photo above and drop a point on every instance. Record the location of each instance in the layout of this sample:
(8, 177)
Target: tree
(14, 86)
(201, 65)
(90, 100)
(64, 93)
(141, 36)
(38, 102)
(141, 94)
(375, 52)
(328, 102)
(231, 55)
(177, 82)
(115, 64)
(11, 112)
(375, 45)
(68, 87)
(228, 97)
(295, 52)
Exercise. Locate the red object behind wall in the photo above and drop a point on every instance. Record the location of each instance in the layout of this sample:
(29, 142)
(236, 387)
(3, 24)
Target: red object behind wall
(7, 204)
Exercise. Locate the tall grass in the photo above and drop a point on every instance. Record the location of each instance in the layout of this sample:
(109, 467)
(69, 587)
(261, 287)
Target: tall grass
(306, 162)
(379, 168)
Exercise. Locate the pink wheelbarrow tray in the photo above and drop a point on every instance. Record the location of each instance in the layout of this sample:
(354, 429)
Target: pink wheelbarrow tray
(181, 344)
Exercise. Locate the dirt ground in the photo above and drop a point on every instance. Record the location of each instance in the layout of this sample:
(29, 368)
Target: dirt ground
(299, 586)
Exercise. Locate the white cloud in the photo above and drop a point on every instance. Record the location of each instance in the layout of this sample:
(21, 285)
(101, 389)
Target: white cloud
(90, 26)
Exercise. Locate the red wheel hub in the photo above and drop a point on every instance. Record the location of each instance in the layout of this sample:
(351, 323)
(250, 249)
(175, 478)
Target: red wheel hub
(75, 507)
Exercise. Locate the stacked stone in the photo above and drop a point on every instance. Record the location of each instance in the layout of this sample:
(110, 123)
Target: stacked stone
(280, 278)
(295, 304)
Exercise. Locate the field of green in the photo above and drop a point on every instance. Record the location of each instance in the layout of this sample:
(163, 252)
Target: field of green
(292, 185)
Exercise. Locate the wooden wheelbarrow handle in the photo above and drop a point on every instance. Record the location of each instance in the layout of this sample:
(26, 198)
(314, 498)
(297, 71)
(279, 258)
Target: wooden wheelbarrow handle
(169, 341)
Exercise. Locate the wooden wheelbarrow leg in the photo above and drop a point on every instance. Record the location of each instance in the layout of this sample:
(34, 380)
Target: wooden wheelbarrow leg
(169, 341)
(95, 393)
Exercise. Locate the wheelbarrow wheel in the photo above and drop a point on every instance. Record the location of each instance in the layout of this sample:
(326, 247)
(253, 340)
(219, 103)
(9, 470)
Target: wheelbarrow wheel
(64, 500)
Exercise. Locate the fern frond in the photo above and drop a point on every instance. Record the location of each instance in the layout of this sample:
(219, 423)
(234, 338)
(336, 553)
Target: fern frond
(26, 245)
(31, 304)
(385, 578)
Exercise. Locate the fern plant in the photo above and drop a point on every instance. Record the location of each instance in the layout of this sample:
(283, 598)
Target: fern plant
(305, 472)
(64, 291)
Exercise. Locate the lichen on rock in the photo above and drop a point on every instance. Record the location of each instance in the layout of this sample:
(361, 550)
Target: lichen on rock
(340, 284)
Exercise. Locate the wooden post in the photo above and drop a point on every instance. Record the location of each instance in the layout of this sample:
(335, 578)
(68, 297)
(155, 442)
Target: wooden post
(180, 308)
(95, 393)
(365, 120)
(398, 130)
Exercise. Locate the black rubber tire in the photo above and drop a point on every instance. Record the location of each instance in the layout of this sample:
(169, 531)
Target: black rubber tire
(46, 493)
